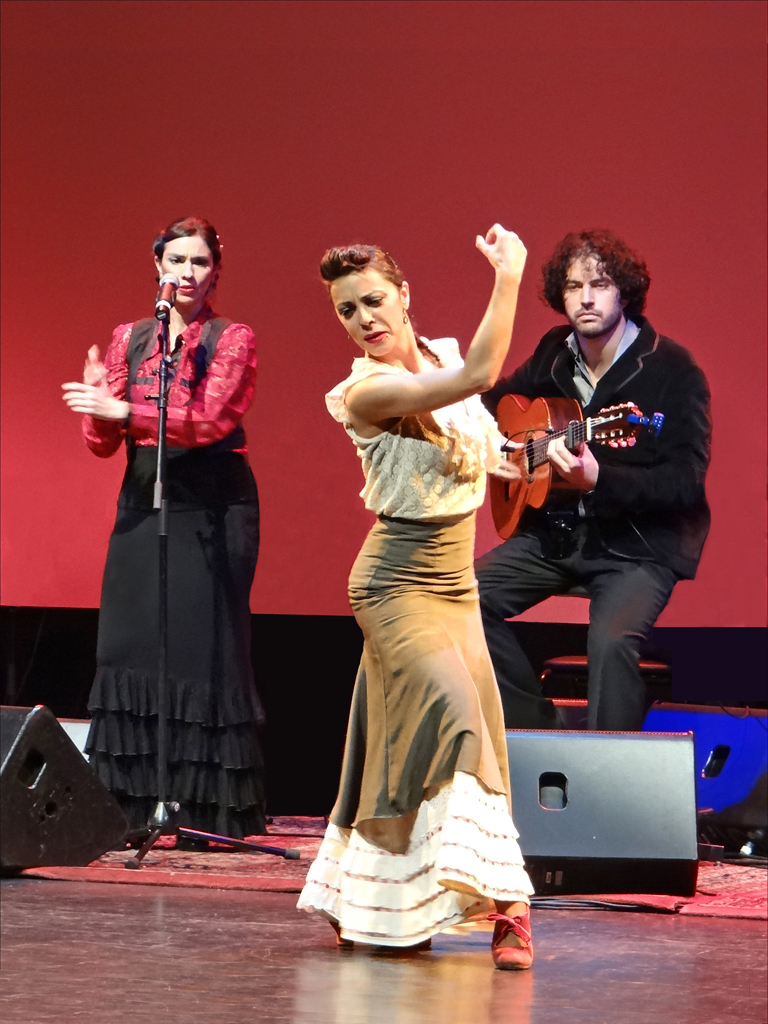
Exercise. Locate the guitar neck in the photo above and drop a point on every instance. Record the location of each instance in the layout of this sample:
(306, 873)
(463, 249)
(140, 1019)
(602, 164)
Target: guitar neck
(575, 434)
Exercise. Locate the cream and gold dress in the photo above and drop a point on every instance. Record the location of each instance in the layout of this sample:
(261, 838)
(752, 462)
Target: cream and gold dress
(421, 836)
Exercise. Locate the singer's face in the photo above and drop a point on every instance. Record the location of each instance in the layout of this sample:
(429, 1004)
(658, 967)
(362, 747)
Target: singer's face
(191, 261)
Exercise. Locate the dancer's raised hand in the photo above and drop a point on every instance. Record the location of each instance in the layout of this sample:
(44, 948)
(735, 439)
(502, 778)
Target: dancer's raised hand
(504, 251)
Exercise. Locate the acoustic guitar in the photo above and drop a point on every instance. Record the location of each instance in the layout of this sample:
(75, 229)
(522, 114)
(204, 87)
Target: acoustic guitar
(532, 424)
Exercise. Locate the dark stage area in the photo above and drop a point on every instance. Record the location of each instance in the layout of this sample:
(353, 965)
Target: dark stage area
(102, 954)
(305, 668)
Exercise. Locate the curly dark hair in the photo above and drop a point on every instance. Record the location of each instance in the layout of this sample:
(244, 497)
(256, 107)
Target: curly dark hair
(625, 268)
(352, 259)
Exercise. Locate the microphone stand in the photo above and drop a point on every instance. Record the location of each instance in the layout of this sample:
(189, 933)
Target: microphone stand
(164, 819)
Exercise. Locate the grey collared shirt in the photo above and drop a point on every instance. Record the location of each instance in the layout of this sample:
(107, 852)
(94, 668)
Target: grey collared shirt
(581, 377)
(583, 381)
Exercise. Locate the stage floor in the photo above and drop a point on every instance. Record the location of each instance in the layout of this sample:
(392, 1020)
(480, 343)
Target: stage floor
(102, 954)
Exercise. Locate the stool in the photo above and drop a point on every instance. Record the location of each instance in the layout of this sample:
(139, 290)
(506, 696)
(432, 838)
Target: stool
(573, 713)
(566, 677)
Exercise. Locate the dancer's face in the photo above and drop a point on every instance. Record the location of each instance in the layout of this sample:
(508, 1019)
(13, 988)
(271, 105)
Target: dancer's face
(592, 302)
(191, 261)
(372, 311)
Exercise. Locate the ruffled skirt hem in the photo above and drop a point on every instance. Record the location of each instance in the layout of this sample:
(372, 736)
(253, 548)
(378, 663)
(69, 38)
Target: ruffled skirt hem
(215, 771)
(462, 857)
(132, 690)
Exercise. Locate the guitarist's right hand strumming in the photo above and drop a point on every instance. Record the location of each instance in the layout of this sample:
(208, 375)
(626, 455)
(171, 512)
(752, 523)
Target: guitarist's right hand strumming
(509, 467)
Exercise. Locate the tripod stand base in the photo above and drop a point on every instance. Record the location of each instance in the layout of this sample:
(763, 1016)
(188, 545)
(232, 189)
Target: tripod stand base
(163, 823)
(239, 844)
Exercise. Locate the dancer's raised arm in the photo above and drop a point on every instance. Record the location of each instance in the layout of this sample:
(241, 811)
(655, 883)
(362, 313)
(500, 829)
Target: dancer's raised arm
(373, 307)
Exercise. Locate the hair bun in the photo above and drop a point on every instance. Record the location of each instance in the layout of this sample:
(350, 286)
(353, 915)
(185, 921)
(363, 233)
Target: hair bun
(353, 259)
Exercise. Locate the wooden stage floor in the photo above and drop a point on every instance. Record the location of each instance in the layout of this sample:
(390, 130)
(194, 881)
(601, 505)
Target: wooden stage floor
(101, 954)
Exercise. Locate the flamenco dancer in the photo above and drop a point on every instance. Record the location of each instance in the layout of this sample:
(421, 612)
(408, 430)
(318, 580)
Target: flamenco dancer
(215, 766)
(421, 836)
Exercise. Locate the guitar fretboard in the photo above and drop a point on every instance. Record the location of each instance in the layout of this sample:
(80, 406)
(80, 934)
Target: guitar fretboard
(575, 434)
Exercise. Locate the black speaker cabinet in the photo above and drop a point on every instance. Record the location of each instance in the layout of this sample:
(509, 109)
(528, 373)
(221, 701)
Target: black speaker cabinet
(605, 812)
(53, 808)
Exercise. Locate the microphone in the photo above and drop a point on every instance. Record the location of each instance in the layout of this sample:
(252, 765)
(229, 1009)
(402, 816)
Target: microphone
(166, 296)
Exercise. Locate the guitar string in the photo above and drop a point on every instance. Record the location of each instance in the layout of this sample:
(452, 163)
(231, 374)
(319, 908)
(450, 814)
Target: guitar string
(539, 445)
(535, 449)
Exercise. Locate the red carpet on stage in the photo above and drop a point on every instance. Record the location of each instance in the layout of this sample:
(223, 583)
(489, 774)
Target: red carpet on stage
(724, 890)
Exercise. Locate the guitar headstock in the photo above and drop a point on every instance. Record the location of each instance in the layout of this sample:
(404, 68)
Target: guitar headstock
(619, 425)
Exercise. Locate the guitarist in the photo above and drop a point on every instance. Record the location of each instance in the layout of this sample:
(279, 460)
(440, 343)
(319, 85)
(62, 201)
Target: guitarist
(638, 517)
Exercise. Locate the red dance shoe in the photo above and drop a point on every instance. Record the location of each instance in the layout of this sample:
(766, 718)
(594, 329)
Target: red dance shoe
(512, 947)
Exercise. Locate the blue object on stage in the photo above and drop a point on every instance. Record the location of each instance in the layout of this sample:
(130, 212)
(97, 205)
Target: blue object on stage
(730, 758)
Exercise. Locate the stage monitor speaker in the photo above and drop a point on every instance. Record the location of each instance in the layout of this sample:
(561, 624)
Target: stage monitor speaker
(53, 808)
(605, 812)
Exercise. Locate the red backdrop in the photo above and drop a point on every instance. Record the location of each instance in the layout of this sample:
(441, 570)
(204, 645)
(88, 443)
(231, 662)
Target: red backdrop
(294, 126)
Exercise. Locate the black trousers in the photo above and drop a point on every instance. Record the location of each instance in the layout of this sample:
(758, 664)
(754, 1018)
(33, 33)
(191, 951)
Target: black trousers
(626, 598)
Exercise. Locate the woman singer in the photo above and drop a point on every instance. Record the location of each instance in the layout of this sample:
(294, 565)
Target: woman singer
(215, 765)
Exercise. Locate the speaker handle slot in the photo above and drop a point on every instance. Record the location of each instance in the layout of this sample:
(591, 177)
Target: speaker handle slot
(553, 791)
(716, 761)
(32, 768)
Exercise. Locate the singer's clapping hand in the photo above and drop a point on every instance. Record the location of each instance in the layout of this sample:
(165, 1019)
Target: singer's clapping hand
(94, 371)
(93, 397)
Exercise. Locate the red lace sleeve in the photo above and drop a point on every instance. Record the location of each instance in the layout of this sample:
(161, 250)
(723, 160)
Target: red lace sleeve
(216, 406)
(104, 437)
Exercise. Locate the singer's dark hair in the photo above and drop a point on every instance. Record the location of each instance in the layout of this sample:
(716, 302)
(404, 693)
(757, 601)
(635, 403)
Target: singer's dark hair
(625, 268)
(183, 228)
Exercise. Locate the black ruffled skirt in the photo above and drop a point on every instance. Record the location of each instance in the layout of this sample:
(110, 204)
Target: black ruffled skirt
(215, 764)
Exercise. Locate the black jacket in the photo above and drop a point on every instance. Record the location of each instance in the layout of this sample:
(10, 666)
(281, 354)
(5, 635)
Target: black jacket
(649, 501)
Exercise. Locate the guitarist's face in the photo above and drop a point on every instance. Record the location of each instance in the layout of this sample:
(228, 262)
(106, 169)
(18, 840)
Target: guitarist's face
(372, 311)
(593, 303)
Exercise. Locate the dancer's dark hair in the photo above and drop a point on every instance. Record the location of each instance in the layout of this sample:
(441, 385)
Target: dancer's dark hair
(353, 259)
